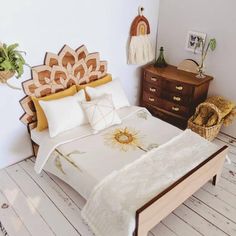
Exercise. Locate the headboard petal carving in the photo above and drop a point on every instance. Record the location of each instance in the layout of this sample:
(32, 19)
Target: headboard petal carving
(60, 71)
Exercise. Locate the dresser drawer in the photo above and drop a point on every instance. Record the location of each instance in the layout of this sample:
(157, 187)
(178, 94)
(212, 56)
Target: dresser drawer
(165, 105)
(175, 120)
(177, 98)
(151, 98)
(152, 89)
(152, 78)
(177, 87)
(174, 108)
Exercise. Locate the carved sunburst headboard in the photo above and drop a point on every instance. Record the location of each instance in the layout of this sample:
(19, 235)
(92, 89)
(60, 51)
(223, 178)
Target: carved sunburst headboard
(60, 71)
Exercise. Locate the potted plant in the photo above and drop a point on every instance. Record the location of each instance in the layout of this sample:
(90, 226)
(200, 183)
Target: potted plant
(204, 48)
(11, 62)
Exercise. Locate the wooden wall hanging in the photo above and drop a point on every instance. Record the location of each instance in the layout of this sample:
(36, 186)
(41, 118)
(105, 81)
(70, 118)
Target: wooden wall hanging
(60, 71)
(140, 48)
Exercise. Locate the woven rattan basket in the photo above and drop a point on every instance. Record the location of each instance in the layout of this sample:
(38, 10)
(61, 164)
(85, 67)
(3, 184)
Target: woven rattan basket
(208, 133)
(5, 75)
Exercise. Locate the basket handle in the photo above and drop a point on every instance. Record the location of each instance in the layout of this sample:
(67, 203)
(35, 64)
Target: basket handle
(213, 107)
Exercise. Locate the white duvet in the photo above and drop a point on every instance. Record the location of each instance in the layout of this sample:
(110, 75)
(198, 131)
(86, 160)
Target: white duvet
(85, 161)
(112, 176)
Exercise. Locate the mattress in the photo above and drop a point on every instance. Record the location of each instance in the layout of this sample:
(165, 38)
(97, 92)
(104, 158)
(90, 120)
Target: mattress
(93, 158)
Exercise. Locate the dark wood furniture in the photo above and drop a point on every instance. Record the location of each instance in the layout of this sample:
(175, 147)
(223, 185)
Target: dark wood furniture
(171, 94)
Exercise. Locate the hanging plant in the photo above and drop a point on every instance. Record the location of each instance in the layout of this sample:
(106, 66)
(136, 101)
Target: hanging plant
(11, 62)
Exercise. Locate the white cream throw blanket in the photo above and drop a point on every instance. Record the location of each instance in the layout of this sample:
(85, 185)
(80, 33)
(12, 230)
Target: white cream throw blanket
(111, 208)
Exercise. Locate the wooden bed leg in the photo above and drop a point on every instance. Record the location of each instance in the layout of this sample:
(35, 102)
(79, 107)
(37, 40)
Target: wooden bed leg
(214, 180)
(142, 233)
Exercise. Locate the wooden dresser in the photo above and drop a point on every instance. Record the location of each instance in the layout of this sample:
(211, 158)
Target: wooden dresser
(172, 95)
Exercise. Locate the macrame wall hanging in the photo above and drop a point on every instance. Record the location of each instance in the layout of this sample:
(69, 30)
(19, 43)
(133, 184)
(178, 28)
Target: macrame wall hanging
(140, 48)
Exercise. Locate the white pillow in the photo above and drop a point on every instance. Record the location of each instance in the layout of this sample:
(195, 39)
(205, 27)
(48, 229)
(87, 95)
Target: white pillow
(64, 114)
(114, 87)
(101, 112)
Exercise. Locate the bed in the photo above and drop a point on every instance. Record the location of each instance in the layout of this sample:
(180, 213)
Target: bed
(85, 161)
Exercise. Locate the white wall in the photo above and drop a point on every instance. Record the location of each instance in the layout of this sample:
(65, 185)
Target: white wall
(217, 18)
(40, 26)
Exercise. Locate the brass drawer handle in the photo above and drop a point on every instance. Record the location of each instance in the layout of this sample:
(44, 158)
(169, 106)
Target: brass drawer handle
(176, 98)
(152, 90)
(151, 99)
(179, 88)
(175, 108)
(153, 79)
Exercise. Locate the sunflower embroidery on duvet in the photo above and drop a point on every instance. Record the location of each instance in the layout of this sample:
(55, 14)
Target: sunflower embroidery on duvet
(127, 139)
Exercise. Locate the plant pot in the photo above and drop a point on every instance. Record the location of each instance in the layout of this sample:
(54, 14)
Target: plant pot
(5, 75)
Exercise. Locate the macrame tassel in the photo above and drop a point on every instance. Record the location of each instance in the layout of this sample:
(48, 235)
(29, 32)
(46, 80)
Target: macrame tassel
(140, 48)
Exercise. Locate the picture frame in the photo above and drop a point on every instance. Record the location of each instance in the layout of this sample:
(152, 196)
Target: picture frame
(192, 39)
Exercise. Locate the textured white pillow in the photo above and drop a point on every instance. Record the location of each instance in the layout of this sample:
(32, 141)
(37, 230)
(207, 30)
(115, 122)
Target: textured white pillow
(101, 112)
(114, 88)
(65, 113)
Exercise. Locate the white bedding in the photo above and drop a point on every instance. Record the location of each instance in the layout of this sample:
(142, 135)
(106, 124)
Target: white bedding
(112, 175)
(94, 156)
(111, 208)
(113, 168)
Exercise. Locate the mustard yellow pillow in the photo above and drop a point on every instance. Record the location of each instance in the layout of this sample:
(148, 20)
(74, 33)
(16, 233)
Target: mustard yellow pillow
(96, 83)
(42, 123)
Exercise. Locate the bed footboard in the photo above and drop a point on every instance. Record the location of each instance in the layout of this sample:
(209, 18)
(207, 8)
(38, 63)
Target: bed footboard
(164, 203)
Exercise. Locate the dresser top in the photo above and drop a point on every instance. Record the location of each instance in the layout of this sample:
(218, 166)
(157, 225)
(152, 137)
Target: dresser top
(172, 73)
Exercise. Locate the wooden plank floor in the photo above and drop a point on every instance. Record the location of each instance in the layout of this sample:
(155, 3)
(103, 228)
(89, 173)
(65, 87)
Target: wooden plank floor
(44, 205)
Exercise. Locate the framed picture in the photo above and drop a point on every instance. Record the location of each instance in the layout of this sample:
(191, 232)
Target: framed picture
(192, 39)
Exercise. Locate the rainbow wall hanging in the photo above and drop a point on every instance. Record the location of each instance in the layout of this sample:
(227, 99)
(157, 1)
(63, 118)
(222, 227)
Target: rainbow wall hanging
(140, 48)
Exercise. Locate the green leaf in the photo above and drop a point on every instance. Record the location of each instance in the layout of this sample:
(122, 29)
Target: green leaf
(212, 44)
(20, 57)
(12, 47)
(6, 65)
(19, 71)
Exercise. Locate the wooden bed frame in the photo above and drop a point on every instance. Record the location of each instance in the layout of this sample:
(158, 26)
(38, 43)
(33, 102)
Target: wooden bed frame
(69, 67)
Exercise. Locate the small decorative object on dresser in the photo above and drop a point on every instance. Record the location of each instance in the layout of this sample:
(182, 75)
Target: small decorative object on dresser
(204, 48)
(160, 62)
(188, 65)
(172, 94)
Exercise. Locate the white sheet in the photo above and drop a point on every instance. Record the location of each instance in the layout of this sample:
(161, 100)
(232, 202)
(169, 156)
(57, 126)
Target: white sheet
(97, 160)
